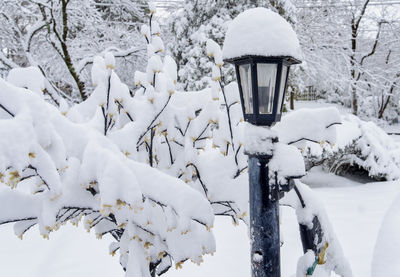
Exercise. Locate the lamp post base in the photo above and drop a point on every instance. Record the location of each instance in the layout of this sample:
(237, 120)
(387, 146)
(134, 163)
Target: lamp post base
(264, 220)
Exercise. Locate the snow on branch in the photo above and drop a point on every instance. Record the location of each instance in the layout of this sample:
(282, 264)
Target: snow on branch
(328, 253)
(341, 143)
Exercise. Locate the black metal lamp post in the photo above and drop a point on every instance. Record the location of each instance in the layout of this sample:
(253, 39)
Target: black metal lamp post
(262, 84)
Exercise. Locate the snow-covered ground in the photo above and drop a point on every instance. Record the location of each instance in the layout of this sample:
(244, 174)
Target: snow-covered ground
(319, 104)
(355, 209)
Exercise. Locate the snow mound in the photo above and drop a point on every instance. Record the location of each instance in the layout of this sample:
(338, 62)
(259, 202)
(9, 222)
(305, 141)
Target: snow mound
(384, 263)
(296, 126)
(286, 162)
(260, 32)
(28, 77)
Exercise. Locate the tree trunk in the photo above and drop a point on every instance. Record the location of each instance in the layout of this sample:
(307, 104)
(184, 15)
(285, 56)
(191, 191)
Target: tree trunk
(67, 57)
(354, 102)
(291, 100)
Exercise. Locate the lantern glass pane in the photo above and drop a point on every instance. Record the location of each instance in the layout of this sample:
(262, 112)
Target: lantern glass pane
(266, 78)
(245, 82)
(282, 88)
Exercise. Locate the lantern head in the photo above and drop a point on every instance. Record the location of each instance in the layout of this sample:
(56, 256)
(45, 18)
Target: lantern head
(262, 46)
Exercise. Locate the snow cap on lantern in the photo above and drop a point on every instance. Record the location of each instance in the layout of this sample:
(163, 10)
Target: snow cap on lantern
(260, 32)
(262, 45)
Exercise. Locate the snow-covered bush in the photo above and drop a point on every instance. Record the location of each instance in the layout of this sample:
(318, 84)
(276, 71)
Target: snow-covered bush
(341, 143)
(80, 163)
(63, 171)
(194, 136)
(366, 146)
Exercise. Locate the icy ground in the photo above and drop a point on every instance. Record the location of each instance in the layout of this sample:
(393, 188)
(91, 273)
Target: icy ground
(355, 209)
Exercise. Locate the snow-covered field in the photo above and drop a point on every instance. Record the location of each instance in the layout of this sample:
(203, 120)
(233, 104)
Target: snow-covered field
(356, 211)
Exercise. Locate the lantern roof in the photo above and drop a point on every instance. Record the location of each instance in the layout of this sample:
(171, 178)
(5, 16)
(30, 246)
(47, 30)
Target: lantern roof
(260, 32)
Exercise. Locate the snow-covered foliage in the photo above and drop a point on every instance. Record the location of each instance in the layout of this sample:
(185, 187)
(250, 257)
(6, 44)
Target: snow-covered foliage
(365, 145)
(194, 136)
(63, 171)
(331, 257)
(341, 143)
(247, 36)
(200, 20)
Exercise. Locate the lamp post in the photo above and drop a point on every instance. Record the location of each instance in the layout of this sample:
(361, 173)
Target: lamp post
(262, 46)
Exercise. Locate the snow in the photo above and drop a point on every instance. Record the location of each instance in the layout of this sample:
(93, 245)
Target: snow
(296, 125)
(260, 32)
(152, 7)
(385, 259)
(214, 50)
(304, 263)
(69, 252)
(109, 60)
(317, 177)
(27, 77)
(257, 257)
(287, 161)
(259, 140)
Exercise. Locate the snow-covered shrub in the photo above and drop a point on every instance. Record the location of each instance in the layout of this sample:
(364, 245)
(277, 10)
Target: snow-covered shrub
(313, 131)
(194, 136)
(63, 171)
(82, 162)
(366, 146)
(341, 143)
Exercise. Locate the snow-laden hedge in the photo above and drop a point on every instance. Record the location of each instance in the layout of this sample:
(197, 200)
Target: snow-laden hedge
(340, 143)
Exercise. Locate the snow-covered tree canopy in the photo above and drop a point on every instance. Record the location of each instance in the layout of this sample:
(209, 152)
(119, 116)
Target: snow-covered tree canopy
(62, 37)
(351, 53)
